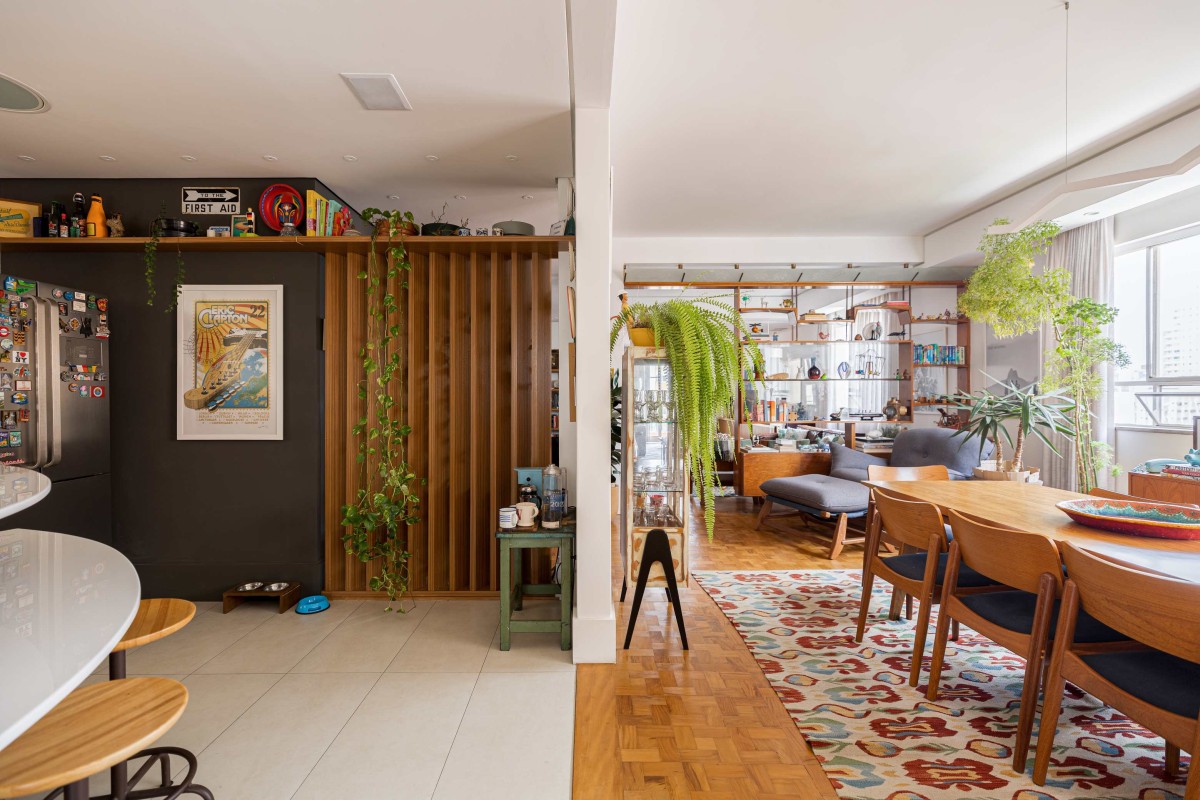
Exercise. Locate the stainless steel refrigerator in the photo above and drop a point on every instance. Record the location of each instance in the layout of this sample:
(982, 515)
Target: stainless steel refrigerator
(54, 402)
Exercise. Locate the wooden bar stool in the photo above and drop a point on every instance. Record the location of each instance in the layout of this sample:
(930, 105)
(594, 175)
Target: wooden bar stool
(91, 730)
(156, 618)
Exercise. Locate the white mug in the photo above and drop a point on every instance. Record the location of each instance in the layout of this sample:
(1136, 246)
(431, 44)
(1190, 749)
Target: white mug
(525, 514)
(508, 517)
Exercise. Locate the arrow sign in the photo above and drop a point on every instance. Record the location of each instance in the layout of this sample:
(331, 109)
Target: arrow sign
(211, 199)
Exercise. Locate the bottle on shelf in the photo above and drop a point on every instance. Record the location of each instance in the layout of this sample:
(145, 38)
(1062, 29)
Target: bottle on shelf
(78, 217)
(97, 224)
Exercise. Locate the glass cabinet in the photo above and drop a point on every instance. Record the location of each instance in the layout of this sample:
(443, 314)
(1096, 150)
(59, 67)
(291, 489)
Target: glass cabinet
(655, 479)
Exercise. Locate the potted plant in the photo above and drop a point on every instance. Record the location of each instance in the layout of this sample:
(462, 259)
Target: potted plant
(437, 227)
(707, 346)
(638, 326)
(1006, 293)
(1035, 414)
(385, 503)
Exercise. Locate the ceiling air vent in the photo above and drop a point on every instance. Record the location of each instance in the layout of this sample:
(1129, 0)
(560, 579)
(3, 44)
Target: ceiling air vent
(377, 91)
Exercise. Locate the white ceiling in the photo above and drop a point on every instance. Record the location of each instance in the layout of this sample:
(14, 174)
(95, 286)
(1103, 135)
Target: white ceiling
(822, 117)
(229, 82)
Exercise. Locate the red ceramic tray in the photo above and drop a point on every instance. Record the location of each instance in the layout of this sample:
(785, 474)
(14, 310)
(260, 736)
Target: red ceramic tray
(1136, 518)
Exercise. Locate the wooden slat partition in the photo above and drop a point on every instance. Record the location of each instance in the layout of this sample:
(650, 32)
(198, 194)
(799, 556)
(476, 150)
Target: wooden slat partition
(476, 391)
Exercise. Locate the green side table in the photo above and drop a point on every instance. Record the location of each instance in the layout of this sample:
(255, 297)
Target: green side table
(513, 591)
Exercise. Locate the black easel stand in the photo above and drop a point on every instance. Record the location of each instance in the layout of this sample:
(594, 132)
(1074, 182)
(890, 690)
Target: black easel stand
(657, 550)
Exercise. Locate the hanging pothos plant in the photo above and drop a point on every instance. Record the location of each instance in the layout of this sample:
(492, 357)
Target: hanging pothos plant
(386, 502)
(708, 347)
(150, 261)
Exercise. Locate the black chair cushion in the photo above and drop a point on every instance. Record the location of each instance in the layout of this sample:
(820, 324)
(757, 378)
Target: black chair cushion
(912, 566)
(1158, 678)
(820, 492)
(1014, 610)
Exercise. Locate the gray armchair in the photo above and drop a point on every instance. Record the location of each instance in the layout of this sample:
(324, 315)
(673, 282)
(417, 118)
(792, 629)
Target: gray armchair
(841, 493)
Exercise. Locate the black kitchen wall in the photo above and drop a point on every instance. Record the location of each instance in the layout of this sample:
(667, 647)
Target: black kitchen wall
(197, 517)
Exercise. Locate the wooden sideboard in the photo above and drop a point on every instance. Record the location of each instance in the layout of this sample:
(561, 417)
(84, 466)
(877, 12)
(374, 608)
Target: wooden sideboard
(1165, 488)
(754, 468)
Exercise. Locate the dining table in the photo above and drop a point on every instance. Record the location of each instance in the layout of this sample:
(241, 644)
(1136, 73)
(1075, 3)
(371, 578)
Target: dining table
(1033, 508)
(65, 602)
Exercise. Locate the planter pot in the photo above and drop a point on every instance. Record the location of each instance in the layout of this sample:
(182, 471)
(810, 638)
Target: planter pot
(405, 228)
(989, 470)
(641, 337)
(439, 229)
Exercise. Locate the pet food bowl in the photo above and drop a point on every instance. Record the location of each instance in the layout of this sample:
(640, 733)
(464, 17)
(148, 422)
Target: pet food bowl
(249, 587)
(276, 587)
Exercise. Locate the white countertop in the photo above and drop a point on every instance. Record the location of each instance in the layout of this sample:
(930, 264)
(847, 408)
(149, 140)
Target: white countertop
(20, 488)
(64, 603)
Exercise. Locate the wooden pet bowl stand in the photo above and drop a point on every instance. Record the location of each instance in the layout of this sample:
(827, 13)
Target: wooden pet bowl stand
(288, 596)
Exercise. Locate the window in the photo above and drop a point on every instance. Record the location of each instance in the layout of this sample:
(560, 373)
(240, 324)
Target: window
(1159, 324)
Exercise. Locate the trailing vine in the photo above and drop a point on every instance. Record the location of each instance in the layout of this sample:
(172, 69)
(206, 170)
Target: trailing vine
(150, 255)
(386, 502)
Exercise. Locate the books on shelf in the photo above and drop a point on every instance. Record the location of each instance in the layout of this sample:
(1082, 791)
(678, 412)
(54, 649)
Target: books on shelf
(324, 217)
(939, 355)
(1186, 471)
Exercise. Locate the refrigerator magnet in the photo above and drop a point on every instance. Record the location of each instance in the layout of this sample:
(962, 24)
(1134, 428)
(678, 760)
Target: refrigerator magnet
(79, 305)
(4, 439)
(5, 330)
(20, 398)
(72, 387)
(74, 323)
(24, 386)
(6, 344)
(85, 391)
(63, 310)
(98, 391)
(58, 293)
(15, 438)
(23, 415)
(102, 303)
(8, 419)
(20, 357)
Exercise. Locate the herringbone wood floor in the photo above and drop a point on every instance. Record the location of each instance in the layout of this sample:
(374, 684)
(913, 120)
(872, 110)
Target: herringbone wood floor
(664, 723)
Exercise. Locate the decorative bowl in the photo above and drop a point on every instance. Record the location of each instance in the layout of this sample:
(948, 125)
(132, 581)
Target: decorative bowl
(1136, 518)
(249, 587)
(276, 587)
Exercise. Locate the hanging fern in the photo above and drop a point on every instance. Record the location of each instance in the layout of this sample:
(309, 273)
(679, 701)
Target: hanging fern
(707, 345)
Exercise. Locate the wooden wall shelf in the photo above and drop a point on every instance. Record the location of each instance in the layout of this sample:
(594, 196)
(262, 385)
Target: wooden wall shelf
(545, 246)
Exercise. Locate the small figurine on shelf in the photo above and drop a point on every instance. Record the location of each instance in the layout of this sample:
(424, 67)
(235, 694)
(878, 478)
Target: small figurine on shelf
(116, 225)
(906, 376)
(898, 374)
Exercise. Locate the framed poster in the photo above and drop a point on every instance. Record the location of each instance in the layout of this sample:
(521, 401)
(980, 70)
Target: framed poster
(230, 362)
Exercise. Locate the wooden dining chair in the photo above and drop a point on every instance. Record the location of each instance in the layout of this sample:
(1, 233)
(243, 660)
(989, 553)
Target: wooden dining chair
(1020, 619)
(918, 574)
(883, 472)
(1156, 683)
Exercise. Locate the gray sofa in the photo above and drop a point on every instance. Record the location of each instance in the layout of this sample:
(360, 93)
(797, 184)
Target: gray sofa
(841, 493)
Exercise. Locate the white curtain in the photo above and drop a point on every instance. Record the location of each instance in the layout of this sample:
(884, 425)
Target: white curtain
(1087, 253)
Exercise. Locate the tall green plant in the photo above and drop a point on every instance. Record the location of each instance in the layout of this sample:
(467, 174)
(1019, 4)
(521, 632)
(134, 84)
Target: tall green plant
(1006, 293)
(1074, 367)
(707, 344)
(386, 502)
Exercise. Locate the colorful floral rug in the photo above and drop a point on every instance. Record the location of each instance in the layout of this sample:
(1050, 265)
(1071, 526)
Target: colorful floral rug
(880, 739)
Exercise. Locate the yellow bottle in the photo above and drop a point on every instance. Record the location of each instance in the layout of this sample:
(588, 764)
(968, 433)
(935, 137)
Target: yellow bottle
(96, 221)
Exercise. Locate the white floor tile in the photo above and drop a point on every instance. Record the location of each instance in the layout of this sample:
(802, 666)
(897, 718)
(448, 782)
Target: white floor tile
(190, 647)
(529, 652)
(281, 642)
(366, 641)
(399, 737)
(268, 751)
(497, 757)
(453, 637)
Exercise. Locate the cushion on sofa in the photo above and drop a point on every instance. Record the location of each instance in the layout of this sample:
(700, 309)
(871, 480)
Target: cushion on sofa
(920, 447)
(850, 464)
(820, 492)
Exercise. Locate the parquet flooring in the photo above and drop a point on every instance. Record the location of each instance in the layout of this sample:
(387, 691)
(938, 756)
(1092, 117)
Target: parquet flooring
(668, 724)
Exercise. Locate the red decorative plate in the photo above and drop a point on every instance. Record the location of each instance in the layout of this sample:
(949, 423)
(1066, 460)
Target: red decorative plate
(1136, 518)
(268, 205)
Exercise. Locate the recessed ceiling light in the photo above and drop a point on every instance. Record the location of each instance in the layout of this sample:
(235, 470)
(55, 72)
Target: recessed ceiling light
(16, 96)
(27, 158)
(511, 158)
(188, 158)
(377, 91)
(460, 197)
(108, 158)
(393, 197)
(350, 158)
(270, 158)
(526, 197)
(1091, 213)
(431, 158)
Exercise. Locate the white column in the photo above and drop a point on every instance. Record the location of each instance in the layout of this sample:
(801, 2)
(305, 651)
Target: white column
(566, 428)
(595, 620)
